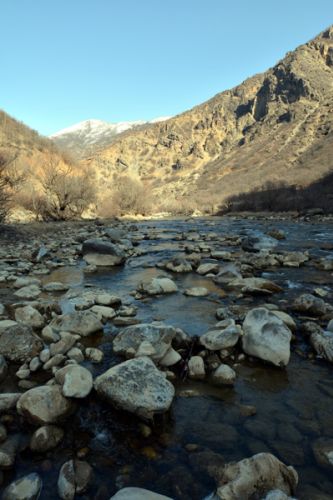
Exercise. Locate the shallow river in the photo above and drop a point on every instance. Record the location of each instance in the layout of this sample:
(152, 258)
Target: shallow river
(294, 405)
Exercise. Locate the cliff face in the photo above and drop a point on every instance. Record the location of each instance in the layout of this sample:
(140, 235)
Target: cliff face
(274, 126)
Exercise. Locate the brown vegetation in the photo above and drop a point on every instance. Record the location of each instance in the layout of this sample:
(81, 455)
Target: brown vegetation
(10, 180)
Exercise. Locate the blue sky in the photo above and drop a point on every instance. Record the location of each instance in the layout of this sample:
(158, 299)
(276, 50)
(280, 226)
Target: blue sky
(63, 61)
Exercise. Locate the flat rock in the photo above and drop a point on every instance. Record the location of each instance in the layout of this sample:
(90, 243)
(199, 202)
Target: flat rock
(136, 386)
(197, 291)
(29, 292)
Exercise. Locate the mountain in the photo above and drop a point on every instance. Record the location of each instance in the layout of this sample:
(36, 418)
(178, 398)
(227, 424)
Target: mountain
(86, 137)
(275, 126)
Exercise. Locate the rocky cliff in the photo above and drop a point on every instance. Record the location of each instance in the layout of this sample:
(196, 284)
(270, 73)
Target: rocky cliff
(274, 126)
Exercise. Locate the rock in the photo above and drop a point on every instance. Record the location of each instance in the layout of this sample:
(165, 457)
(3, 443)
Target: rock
(323, 344)
(66, 481)
(323, 452)
(44, 405)
(3, 368)
(35, 364)
(278, 234)
(83, 323)
(197, 291)
(26, 281)
(3, 434)
(28, 292)
(18, 343)
(29, 316)
(136, 386)
(266, 337)
(158, 286)
(76, 354)
(132, 493)
(223, 338)
(255, 286)
(25, 488)
(46, 438)
(103, 312)
(106, 299)
(49, 335)
(277, 495)
(255, 477)
(171, 358)
(8, 401)
(159, 337)
(77, 382)
(330, 326)
(309, 304)
(115, 235)
(94, 355)
(6, 323)
(196, 368)
(287, 320)
(223, 375)
(56, 360)
(8, 451)
(55, 286)
(102, 253)
(257, 243)
(208, 268)
(63, 345)
(44, 355)
(227, 273)
(179, 266)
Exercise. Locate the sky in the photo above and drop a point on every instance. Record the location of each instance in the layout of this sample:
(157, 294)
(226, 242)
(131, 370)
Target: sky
(64, 61)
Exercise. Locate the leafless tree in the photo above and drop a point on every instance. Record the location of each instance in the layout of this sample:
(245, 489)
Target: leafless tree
(10, 180)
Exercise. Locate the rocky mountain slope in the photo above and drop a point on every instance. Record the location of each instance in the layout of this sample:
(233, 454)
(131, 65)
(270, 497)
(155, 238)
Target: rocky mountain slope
(274, 126)
(86, 137)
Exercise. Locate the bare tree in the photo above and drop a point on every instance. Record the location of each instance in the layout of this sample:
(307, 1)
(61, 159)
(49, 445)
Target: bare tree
(10, 180)
(130, 195)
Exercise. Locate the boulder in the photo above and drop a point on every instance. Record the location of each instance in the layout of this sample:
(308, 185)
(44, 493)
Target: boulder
(227, 273)
(19, 344)
(309, 304)
(44, 405)
(29, 316)
(221, 338)
(76, 381)
(46, 438)
(179, 266)
(8, 401)
(102, 253)
(223, 375)
(134, 340)
(265, 336)
(207, 268)
(196, 368)
(255, 477)
(25, 488)
(158, 286)
(132, 493)
(136, 386)
(83, 323)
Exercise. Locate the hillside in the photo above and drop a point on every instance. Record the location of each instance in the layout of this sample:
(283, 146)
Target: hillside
(274, 126)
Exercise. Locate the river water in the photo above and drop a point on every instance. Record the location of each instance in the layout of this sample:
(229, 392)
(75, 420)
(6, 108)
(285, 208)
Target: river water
(294, 405)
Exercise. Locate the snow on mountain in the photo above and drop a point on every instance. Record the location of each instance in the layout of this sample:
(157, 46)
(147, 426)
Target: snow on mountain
(82, 137)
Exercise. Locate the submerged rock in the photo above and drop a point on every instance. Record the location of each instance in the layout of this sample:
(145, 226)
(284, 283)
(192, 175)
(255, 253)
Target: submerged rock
(266, 337)
(46, 438)
(136, 386)
(197, 291)
(25, 488)
(102, 253)
(44, 405)
(255, 477)
(309, 304)
(322, 342)
(74, 478)
(323, 452)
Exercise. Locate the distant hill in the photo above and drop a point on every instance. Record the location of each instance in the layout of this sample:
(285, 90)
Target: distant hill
(275, 126)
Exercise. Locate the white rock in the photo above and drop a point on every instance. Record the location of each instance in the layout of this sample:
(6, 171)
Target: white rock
(196, 368)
